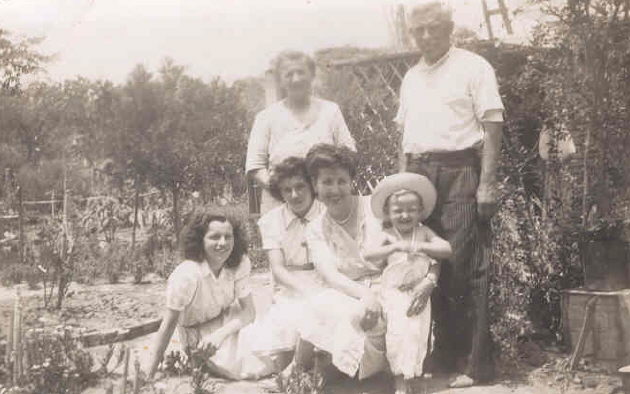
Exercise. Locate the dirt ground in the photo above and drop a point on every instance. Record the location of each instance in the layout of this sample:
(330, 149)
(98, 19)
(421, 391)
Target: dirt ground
(106, 306)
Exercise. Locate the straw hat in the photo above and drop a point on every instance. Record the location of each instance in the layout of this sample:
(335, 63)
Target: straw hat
(404, 181)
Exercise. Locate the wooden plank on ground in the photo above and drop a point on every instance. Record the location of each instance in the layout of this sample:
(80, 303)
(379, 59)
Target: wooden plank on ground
(119, 335)
(106, 337)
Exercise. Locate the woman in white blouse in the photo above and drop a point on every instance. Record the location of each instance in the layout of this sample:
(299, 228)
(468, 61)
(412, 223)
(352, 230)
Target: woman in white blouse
(209, 300)
(291, 126)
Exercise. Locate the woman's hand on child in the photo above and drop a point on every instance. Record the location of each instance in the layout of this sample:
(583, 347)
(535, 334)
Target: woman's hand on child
(372, 311)
(370, 303)
(421, 298)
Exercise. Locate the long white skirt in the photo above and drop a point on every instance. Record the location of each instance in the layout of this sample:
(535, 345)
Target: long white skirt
(407, 338)
(331, 323)
(235, 358)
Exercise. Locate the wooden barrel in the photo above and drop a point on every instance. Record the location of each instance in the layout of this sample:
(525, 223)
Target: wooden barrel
(605, 265)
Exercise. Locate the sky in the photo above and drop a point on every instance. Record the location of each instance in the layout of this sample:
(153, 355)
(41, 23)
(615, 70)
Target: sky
(105, 39)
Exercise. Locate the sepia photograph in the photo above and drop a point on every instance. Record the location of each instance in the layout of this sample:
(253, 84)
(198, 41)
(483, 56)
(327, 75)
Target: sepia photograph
(314, 196)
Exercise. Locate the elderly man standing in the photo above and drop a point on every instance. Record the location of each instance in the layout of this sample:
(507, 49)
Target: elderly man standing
(452, 116)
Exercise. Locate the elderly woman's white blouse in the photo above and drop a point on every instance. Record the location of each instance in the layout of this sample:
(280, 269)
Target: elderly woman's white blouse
(201, 296)
(277, 134)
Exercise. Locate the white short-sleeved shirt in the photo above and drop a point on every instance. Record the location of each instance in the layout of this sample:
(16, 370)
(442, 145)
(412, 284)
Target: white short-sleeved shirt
(193, 290)
(281, 229)
(277, 134)
(442, 105)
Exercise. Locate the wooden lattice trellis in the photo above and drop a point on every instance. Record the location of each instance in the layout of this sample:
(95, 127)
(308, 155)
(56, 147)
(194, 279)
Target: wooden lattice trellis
(377, 80)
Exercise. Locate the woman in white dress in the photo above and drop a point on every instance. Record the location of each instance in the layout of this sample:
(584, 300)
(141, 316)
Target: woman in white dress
(293, 274)
(209, 301)
(291, 126)
(345, 319)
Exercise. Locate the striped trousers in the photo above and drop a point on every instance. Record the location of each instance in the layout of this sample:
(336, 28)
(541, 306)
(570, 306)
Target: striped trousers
(460, 302)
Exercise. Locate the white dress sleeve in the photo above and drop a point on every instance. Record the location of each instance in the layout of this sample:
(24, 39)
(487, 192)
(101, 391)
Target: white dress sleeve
(258, 144)
(181, 287)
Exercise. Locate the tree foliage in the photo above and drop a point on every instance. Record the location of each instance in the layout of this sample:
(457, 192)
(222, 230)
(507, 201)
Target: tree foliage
(17, 58)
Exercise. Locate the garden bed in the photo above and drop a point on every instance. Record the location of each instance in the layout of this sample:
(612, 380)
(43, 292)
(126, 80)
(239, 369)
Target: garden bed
(103, 306)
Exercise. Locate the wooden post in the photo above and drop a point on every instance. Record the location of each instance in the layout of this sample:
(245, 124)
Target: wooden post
(136, 380)
(486, 15)
(52, 205)
(17, 337)
(9, 347)
(65, 195)
(136, 202)
(506, 17)
(175, 213)
(125, 371)
(21, 223)
(25, 360)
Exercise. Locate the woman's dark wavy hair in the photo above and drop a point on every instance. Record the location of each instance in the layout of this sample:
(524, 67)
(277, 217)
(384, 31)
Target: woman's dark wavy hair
(191, 238)
(330, 156)
(288, 168)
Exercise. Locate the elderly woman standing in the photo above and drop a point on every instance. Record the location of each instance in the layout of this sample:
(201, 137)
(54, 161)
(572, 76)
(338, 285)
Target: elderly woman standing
(345, 319)
(291, 126)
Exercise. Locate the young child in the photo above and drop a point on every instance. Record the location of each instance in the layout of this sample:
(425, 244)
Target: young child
(409, 249)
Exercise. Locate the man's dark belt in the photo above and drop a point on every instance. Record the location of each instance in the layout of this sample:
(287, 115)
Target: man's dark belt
(455, 158)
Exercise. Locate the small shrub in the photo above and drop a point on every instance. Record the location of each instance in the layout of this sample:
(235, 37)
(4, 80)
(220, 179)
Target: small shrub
(166, 261)
(17, 273)
(115, 259)
(195, 364)
(89, 265)
(56, 362)
(139, 265)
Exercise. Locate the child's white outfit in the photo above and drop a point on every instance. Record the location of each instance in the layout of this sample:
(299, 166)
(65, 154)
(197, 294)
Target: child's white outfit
(407, 338)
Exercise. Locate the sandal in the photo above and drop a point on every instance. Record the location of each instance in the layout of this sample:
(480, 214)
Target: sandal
(461, 381)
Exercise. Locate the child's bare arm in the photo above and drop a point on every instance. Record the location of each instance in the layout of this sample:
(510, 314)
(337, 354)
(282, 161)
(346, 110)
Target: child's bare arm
(384, 247)
(379, 253)
(434, 246)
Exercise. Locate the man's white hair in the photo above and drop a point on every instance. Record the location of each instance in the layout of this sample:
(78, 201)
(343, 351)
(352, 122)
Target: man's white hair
(444, 6)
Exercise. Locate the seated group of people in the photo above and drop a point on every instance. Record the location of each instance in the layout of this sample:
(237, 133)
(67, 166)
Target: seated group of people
(352, 276)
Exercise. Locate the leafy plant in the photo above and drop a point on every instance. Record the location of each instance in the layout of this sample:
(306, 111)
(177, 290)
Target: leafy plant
(57, 256)
(55, 362)
(301, 381)
(195, 364)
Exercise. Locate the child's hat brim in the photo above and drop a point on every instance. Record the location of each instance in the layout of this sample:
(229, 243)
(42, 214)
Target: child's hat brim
(404, 181)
